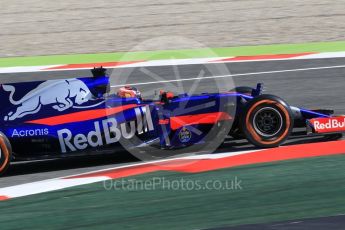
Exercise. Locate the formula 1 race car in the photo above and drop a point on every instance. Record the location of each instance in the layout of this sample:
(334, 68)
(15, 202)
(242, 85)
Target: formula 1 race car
(59, 118)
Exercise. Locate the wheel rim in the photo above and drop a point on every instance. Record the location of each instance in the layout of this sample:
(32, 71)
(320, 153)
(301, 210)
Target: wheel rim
(267, 122)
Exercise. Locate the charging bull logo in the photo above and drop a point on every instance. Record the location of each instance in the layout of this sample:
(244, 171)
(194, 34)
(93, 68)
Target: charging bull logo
(59, 94)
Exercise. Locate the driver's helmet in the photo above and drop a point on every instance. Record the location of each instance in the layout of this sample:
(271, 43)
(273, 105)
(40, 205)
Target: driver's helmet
(129, 91)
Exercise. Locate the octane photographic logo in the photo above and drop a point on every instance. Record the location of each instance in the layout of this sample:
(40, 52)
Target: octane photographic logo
(180, 79)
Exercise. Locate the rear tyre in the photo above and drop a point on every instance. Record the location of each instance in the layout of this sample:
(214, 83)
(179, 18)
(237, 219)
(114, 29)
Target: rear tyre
(267, 121)
(5, 153)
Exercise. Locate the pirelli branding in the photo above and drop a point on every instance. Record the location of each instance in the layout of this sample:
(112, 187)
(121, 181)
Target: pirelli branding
(107, 131)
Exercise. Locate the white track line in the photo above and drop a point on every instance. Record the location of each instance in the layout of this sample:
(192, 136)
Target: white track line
(46, 186)
(152, 63)
(232, 75)
(169, 62)
(25, 69)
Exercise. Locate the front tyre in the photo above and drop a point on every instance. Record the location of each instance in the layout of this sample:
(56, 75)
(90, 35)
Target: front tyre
(267, 121)
(5, 153)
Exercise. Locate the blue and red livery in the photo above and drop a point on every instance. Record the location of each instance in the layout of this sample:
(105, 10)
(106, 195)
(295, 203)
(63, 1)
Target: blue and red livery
(58, 118)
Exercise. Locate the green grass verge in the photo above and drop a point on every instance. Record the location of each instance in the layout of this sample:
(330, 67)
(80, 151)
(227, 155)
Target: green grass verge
(167, 54)
(270, 192)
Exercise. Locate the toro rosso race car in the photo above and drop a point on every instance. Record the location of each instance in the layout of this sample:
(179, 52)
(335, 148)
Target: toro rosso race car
(59, 118)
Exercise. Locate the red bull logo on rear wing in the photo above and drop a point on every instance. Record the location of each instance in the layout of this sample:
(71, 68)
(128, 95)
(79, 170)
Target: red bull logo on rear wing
(326, 125)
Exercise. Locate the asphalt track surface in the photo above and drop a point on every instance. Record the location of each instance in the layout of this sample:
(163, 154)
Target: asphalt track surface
(300, 86)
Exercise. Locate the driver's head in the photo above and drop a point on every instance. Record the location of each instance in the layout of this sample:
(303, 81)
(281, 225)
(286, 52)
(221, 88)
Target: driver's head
(129, 91)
